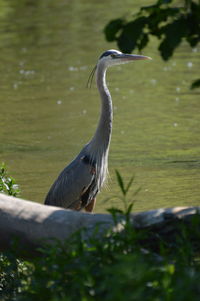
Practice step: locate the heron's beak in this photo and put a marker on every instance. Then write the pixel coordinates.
(132, 57)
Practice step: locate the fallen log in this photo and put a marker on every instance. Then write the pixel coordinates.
(33, 223)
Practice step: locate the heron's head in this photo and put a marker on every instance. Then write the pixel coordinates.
(115, 57)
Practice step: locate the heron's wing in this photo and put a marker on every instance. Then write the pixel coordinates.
(75, 181)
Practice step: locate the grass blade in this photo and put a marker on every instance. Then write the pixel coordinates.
(129, 184)
(120, 182)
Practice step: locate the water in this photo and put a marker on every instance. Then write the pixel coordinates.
(48, 49)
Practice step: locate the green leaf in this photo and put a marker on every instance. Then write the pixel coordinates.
(115, 211)
(132, 34)
(7, 184)
(160, 16)
(120, 182)
(143, 42)
(173, 32)
(195, 84)
(160, 2)
(130, 206)
(125, 42)
(137, 191)
(129, 184)
(112, 28)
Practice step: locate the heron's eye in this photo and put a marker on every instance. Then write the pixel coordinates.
(113, 56)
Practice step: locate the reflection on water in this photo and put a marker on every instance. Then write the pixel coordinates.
(48, 49)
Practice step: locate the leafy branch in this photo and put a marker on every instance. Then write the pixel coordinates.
(171, 24)
(7, 183)
(125, 191)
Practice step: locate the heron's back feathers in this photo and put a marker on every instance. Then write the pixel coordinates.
(76, 186)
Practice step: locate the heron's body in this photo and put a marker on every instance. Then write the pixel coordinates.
(78, 184)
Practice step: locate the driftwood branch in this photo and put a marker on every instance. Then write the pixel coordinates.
(33, 224)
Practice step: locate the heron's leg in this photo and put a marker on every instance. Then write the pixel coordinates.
(90, 206)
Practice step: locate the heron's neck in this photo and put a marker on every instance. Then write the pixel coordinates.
(101, 138)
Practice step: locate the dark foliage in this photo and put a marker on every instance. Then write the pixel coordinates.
(195, 84)
(123, 265)
(7, 183)
(126, 265)
(171, 24)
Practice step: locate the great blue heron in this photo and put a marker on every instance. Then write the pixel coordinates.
(78, 184)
